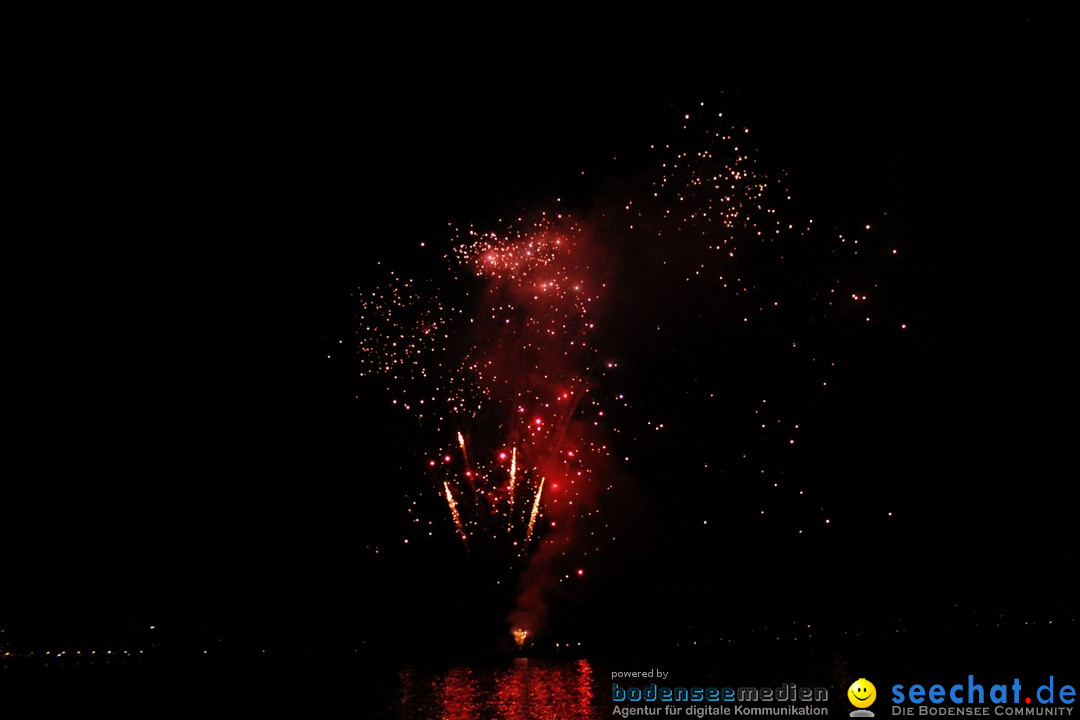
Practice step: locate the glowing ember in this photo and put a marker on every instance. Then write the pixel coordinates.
(520, 636)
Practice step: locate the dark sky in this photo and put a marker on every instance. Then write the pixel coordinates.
(194, 199)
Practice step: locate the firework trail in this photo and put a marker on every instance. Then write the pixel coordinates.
(464, 452)
(535, 511)
(513, 481)
(454, 512)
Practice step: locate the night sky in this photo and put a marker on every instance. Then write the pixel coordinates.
(195, 203)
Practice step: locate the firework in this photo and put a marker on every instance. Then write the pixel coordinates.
(520, 636)
(513, 480)
(502, 358)
(464, 452)
(535, 512)
(454, 512)
(507, 374)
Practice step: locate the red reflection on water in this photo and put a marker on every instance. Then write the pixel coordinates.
(526, 690)
(584, 687)
(459, 695)
(515, 694)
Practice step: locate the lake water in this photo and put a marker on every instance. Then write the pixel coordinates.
(520, 689)
(507, 689)
(503, 688)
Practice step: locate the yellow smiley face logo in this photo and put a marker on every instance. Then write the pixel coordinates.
(862, 693)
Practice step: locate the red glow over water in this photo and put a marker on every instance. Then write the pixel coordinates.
(522, 690)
